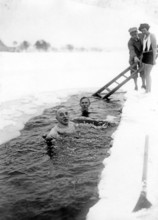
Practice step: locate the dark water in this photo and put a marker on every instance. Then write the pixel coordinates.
(63, 187)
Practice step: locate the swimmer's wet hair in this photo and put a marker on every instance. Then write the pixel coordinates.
(84, 97)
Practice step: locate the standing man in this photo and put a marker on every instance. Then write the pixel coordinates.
(135, 47)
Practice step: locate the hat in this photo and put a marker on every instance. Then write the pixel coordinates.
(142, 26)
(132, 29)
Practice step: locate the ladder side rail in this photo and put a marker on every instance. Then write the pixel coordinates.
(121, 84)
(113, 80)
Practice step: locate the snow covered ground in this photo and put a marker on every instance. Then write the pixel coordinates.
(120, 184)
(31, 82)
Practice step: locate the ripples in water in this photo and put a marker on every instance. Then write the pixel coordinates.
(38, 183)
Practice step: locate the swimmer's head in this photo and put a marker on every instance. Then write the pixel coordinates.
(84, 103)
(62, 116)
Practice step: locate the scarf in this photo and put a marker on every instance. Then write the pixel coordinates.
(146, 43)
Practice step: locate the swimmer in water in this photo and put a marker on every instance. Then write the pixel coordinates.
(63, 127)
(85, 103)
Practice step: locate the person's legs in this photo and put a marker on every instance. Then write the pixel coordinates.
(142, 75)
(147, 71)
(143, 82)
(135, 77)
(135, 82)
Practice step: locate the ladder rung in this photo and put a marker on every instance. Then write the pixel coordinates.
(108, 89)
(117, 83)
(125, 76)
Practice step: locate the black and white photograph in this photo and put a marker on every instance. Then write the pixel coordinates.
(78, 110)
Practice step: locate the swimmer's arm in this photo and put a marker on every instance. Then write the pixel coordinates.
(53, 134)
(74, 123)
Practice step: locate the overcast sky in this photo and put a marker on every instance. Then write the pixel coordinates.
(70, 21)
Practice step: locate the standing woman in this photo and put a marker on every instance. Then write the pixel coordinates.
(149, 53)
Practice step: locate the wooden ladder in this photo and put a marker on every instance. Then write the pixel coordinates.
(115, 84)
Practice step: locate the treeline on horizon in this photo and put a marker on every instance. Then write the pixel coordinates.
(44, 46)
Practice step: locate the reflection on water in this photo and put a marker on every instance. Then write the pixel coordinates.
(38, 183)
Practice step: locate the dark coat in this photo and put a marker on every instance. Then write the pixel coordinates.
(135, 48)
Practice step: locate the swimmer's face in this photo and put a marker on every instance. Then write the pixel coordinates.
(63, 116)
(85, 103)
